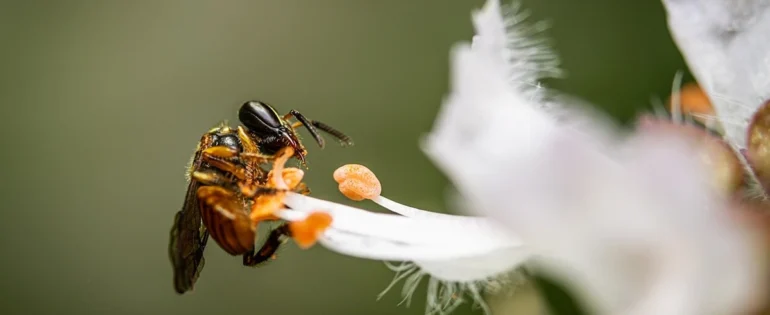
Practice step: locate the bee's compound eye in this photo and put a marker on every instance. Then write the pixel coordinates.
(230, 141)
(259, 117)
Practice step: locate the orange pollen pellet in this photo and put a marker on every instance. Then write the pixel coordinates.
(357, 182)
(306, 232)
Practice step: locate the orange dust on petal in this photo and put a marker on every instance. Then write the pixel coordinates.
(357, 182)
(307, 231)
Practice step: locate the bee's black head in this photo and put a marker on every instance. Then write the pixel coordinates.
(260, 118)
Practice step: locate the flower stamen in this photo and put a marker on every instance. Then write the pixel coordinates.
(357, 182)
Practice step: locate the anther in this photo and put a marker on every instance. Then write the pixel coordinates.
(357, 182)
(306, 232)
(693, 100)
(758, 146)
(291, 176)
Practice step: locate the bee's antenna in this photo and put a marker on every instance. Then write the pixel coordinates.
(310, 127)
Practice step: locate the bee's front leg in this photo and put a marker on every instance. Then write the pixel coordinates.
(220, 157)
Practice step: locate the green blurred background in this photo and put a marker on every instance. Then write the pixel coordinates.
(104, 101)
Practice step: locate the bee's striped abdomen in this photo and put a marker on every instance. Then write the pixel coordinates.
(227, 223)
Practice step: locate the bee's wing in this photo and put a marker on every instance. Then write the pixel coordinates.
(188, 235)
(188, 240)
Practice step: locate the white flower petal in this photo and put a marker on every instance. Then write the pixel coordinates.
(477, 267)
(460, 254)
(465, 141)
(597, 205)
(632, 221)
(628, 220)
(368, 247)
(460, 231)
(726, 46)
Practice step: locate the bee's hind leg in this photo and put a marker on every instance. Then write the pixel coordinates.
(268, 249)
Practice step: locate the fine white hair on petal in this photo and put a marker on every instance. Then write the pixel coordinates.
(503, 33)
(446, 290)
(495, 90)
(443, 297)
(473, 268)
(726, 47)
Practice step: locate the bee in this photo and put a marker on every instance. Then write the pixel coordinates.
(227, 182)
